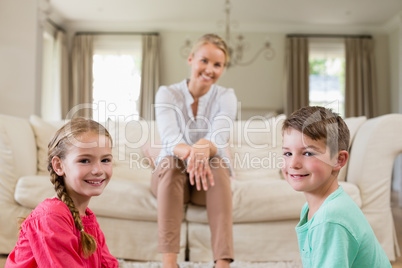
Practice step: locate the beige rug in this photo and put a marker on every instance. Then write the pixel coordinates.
(210, 265)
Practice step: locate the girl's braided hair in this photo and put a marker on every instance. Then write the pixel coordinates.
(59, 146)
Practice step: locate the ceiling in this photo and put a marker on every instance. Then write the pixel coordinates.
(192, 14)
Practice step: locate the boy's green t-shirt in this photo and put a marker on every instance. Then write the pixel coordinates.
(338, 235)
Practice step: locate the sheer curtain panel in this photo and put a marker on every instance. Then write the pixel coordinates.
(149, 75)
(54, 74)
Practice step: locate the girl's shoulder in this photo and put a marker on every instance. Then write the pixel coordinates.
(50, 207)
(50, 213)
(54, 204)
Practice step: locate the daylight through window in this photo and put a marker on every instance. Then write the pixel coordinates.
(327, 74)
(116, 77)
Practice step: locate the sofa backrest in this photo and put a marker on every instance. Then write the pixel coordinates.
(353, 123)
(255, 146)
(17, 138)
(129, 140)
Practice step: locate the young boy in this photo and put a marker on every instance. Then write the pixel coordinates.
(332, 232)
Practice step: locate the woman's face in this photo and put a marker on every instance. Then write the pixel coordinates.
(207, 64)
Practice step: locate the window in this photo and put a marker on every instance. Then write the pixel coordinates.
(116, 77)
(327, 74)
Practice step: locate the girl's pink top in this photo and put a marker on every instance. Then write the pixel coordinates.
(49, 238)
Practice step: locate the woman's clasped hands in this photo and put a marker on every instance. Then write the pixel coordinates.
(198, 164)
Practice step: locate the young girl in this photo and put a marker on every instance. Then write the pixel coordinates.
(63, 231)
(194, 118)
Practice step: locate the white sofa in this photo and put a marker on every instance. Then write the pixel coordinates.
(265, 208)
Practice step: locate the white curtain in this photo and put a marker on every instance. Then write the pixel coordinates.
(80, 98)
(149, 75)
(55, 75)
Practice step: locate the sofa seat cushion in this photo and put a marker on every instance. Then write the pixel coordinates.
(121, 199)
(261, 201)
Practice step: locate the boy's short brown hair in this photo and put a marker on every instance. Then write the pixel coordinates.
(320, 123)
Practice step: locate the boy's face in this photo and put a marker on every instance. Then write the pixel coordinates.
(308, 165)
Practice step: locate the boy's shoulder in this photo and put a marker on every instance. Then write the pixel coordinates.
(339, 208)
(342, 224)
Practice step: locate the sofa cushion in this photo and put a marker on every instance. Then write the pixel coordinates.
(8, 163)
(44, 132)
(31, 190)
(17, 149)
(151, 151)
(250, 163)
(353, 123)
(265, 200)
(129, 138)
(256, 148)
(121, 198)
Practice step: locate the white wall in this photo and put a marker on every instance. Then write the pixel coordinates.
(258, 86)
(18, 54)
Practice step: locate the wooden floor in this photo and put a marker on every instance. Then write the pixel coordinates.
(396, 204)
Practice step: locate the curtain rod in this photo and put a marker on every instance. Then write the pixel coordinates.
(117, 33)
(330, 35)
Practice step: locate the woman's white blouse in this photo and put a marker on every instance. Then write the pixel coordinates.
(176, 123)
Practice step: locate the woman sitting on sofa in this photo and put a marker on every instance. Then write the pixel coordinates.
(194, 118)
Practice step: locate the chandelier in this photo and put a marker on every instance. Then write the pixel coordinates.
(236, 47)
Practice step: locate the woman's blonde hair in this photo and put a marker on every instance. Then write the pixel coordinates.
(215, 40)
(59, 146)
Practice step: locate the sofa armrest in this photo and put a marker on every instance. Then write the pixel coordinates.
(17, 154)
(376, 145)
(373, 152)
(17, 158)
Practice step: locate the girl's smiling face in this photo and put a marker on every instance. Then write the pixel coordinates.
(308, 166)
(207, 65)
(87, 167)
